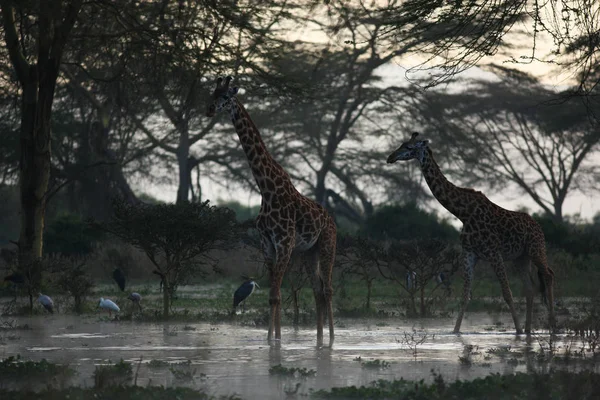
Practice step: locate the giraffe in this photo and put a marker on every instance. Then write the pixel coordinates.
(288, 222)
(490, 233)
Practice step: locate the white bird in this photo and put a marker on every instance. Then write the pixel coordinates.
(47, 302)
(108, 305)
(136, 298)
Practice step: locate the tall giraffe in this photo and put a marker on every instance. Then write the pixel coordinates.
(287, 222)
(489, 233)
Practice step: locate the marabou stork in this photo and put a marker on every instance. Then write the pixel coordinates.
(119, 277)
(243, 292)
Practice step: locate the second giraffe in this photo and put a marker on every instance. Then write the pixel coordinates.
(489, 233)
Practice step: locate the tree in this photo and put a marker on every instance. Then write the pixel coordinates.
(175, 238)
(457, 35)
(198, 40)
(510, 132)
(342, 103)
(359, 256)
(407, 222)
(35, 52)
(413, 265)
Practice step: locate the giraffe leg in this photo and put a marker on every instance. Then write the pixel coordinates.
(282, 260)
(546, 283)
(311, 265)
(524, 268)
(500, 270)
(327, 248)
(469, 261)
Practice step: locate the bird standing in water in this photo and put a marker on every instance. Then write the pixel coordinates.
(47, 302)
(108, 305)
(243, 292)
(136, 298)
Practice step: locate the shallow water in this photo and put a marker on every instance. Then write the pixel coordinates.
(236, 359)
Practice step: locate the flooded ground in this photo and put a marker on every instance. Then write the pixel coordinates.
(231, 359)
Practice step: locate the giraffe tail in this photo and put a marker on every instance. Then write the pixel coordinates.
(542, 281)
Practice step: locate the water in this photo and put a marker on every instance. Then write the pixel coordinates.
(236, 359)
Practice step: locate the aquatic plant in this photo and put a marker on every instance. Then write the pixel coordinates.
(118, 374)
(291, 371)
(157, 364)
(13, 369)
(375, 364)
(115, 393)
(554, 385)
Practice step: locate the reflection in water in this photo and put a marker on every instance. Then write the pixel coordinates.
(232, 359)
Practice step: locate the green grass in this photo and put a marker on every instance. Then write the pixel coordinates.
(553, 386)
(114, 393)
(15, 369)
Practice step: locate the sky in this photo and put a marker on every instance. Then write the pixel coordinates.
(395, 74)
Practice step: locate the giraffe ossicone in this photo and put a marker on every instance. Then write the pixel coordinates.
(287, 221)
(490, 233)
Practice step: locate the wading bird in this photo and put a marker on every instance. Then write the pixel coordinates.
(136, 298)
(47, 302)
(15, 280)
(119, 277)
(443, 278)
(108, 305)
(243, 292)
(411, 280)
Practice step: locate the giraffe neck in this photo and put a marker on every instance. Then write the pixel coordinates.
(266, 171)
(452, 197)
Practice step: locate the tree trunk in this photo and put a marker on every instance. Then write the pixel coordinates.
(369, 286)
(422, 290)
(183, 159)
(296, 306)
(34, 165)
(320, 192)
(166, 298)
(38, 81)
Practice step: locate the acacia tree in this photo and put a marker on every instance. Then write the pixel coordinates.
(198, 41)
(36, 34)
(174, 237)
(423, 261)
(456, 35)
(343, 108)
(510, 132)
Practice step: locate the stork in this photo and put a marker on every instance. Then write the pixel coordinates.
(108, 305)
(47, 302)
(444, 279)
(119, 277)
(411, 280)
(243, 292)
(16, 279)
(136, 298)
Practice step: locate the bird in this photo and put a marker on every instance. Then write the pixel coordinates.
(108, 305)
(15, 279)
(243, 292)
(444, 279)
(47, 302)
(136, 298)
(411, 280)
(119, 277)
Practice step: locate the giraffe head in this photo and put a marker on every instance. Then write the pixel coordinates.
(411, 149)
(221, 97)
